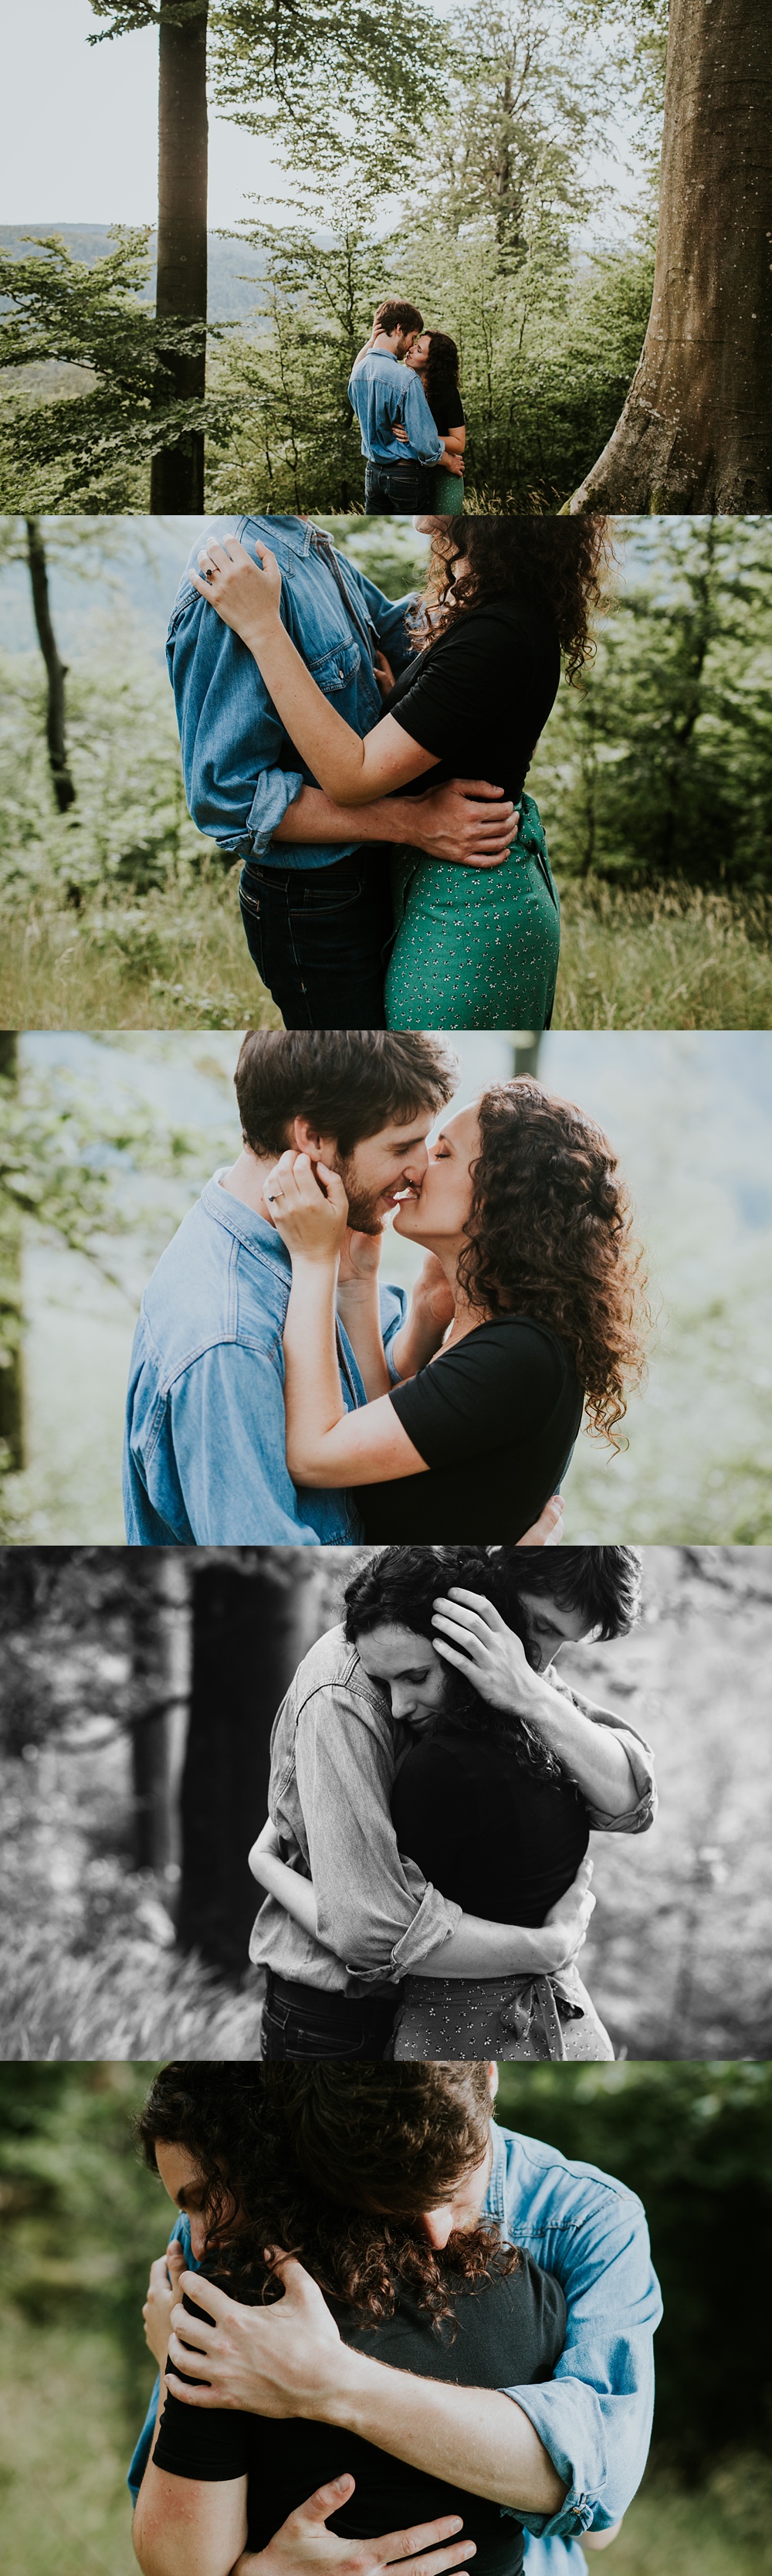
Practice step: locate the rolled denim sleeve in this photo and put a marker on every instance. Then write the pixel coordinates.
(375, 1911)
(276, 790)
(594, 2417)
(638, 1818)
(232, 742)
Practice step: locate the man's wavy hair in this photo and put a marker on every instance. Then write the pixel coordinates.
(399, 1588)
(549, 1234)
(559, 564)
(334, 2164)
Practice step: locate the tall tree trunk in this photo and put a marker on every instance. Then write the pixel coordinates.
(161, 1711)
(695, 432)
(527, 1044)
(56, 670)
(177, 473)
(11, 1319)
(249, 1632)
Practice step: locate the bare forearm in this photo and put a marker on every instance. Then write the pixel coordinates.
(594, 1756)
(316, 817)
(310, 1354)
(417, 1340)
(480, 1949)
(474, 2438)
(360, 1312)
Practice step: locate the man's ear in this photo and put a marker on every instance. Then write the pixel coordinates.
(493, 2077)
(310, 1142)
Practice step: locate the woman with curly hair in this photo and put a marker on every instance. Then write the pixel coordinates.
(534, 1282)
(434, 357)
(476, 942)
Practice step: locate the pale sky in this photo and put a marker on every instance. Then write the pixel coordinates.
(80, 141)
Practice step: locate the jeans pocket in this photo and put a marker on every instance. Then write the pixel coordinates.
(283, 2036)
(327, 903)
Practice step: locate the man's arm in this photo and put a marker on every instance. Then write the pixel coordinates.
(288, 2360)
(421, 427)
(227, 1426)
(637, 1817)
(464, 822)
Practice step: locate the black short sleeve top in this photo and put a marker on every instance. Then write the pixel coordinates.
(510, 2330)
(479, 697)
(499, 1837)
(495, 1419)
(447, 409)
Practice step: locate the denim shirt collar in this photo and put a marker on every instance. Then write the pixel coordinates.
(494, 2204)
(250, 1229)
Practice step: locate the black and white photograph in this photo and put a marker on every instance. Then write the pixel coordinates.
(401, 1803)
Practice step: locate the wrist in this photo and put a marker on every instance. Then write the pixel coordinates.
(338, 2401)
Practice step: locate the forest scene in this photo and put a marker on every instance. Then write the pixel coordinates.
(84, 2221)
(654, 779)
(140, 1695)
(497, 164)
(107, 1141)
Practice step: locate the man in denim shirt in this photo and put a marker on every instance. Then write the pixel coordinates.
(204, 1455)
(566, 2455)
(385, 395)
(315, 894)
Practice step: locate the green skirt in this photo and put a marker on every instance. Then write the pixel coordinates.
(447, 494)
(475, 948)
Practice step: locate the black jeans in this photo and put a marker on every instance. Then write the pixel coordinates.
(393, 491)
(319, 936)
(299, 2021)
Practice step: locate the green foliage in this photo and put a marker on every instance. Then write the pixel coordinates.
(695, 2142)
(659, 768)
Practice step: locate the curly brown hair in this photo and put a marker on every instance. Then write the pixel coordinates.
(441, 369)
(559, 563)
(549, 1234)
(332, 2163)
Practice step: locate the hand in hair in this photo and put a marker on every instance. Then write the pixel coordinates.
(304, 2543)
(469, 1631)
(309, 1207)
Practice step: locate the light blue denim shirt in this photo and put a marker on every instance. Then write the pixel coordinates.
(594, 2417)
(383, 390)
(204, 1460)
(240, 769)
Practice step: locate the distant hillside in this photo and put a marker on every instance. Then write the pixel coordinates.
(234, 268)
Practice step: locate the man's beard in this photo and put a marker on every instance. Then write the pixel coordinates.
(366, 1212)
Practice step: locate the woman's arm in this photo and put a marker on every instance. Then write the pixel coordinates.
(247, 596)
(325, 1445)
(189, 2526)
(472, 1635)
(476, 1948)
(455, 441)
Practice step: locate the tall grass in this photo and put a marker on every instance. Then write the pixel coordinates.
(176, 958)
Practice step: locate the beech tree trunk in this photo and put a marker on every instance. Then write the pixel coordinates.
(177, 473)
(696, 430)
(11, 1318)
(249, 1632)
(56, 670)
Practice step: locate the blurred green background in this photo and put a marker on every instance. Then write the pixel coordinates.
(82, 2223)
(105, 1141)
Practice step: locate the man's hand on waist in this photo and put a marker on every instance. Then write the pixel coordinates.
(467, 821)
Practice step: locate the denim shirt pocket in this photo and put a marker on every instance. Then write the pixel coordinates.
(335, 668)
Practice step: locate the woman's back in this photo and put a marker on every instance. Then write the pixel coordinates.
(497, 1836)
(509, 2330)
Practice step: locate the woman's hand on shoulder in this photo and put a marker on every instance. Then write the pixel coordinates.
(245, 594)
(162, 2294)
(309, 1207)
(304, 2543)
(470, 1633)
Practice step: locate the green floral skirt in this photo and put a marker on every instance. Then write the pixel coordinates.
(447, 494)
(475, 948)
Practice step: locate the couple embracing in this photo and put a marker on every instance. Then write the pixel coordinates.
(388, 2329)
(405, 392)
(280, 1392)
(366, 759)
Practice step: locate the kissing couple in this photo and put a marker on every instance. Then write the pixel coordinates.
(279, 1392)
(366, 761)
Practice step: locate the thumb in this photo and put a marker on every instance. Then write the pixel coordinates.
(475, 787)
(327, 2499)
(175, 2255)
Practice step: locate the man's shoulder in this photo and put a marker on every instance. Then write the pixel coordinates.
(557, 2189)
(331, 1661)
(211, 1287)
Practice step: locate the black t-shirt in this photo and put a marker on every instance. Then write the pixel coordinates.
(511, 2330)
(446, 407)
(495, 1418)
(491, 1833)
(479, 697)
